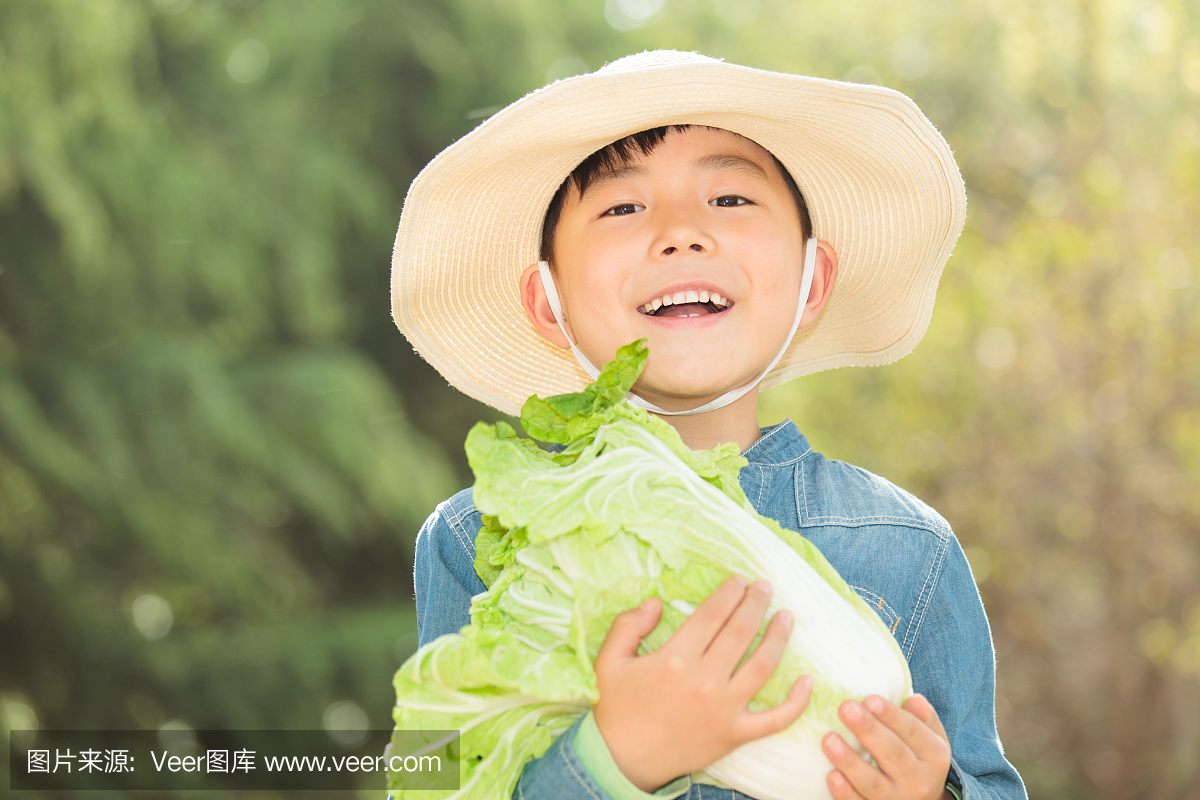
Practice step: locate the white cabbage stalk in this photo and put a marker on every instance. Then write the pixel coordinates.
(628, 512)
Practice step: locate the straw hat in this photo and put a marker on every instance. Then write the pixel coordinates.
(880, 181)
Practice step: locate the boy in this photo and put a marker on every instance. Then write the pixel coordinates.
(711, 209)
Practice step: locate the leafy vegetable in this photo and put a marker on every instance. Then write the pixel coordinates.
(622, 512)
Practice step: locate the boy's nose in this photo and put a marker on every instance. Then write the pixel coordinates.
(682, 234)
(694, 246)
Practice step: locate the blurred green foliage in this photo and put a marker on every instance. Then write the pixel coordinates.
(215, 449)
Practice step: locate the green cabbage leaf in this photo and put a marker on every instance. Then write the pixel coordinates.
(622, 512)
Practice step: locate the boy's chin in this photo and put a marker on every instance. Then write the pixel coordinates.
(680, 393)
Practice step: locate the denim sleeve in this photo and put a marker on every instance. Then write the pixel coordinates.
(593, 753)
(953, 664)
(561, 775)
(445, 581)
(444, 573)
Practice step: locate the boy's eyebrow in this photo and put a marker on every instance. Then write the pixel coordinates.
(715, 161)
(614, 174)
(718, 161)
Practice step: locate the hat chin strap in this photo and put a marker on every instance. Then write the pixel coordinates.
(810, 263)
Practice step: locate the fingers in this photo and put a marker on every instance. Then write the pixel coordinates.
(924, 710)
(852, 775)
(909, 752)
(730, 644)
(757, 724)
(881, 740)
(753, 675)
(840, 788)
(912, 733)
(627, 631)
(697, 632)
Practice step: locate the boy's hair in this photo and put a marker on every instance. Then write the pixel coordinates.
(622, 153)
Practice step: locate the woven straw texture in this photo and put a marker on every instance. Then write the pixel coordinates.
(880, 181)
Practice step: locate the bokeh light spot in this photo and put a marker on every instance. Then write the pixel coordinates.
(566, 67)
(736, 13)
(1187, 656)
(1174, 269)
(996, 349)
(178, 738)
(18, 713)
(1104, 175)
(152, 616)
(910, 57)
(1154, 30)
(863, 74)
(1157, 638)
(248, 61)
(346, 723)
(1048, 196)
(629, 15)
(1189, 65)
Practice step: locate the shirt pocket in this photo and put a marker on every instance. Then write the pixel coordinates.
(881, 607)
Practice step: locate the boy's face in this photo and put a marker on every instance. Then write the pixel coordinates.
(705, 216)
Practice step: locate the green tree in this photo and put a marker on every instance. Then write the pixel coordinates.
(207, 491)
(206, 411)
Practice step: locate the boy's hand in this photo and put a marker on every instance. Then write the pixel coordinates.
(909, 745)
(678, 709)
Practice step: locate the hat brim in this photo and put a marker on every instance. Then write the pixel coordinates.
(880, 181)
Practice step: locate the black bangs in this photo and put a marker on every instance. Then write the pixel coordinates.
(622, 153)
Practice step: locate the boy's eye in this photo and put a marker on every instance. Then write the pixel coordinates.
(623, 209)
(728, 201)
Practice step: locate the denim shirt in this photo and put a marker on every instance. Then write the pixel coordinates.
(895, 551)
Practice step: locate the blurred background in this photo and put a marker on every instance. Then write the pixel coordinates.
(216, 449)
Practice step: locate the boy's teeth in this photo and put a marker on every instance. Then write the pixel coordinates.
(688, 296)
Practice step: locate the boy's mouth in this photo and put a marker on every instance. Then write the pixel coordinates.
(690, 303)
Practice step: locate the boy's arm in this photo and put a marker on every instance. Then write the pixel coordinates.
(444, 576)
(578, 765)
(953, 667)
(665, 714)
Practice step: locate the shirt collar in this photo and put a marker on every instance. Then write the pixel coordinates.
(777, 444)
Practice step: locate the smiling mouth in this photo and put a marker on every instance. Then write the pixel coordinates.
(686, 304)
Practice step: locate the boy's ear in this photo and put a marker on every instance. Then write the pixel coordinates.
(537, 307)
(824, 276)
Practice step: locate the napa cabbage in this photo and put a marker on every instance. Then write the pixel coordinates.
(621, 511)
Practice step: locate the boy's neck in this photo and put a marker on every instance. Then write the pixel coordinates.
(736, 422)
